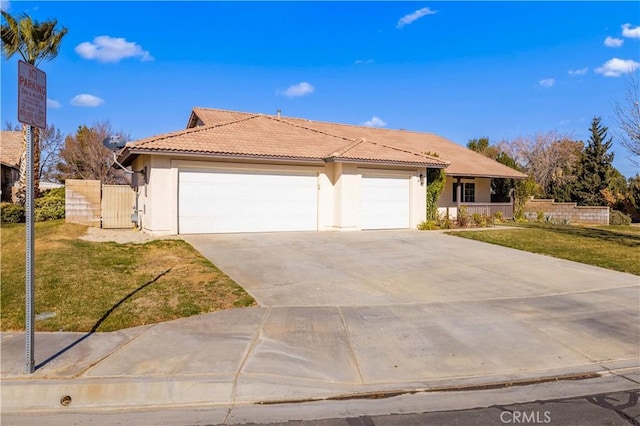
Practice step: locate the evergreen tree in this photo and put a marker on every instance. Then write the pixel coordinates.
(595, 169)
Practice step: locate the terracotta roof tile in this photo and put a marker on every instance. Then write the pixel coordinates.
(10, 147)
(265, 136)
(210, 117)
(221, 132)
(463, 161)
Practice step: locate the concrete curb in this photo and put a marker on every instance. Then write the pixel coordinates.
(109, 393)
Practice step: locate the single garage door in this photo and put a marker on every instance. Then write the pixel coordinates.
(221, 201)
(384, 202)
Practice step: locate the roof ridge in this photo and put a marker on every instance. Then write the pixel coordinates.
(419, 154)
(363, 140)
(361, 126)
(281, 120)
(340, 152)
(175, 134)
(224, 110)
(356, 142)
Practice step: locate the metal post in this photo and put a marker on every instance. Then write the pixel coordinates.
(29, 265)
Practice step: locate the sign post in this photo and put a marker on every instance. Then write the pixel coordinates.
(32, 111)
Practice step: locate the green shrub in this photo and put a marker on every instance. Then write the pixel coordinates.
(618, 218)
(436, 179)
(498, 217)
(49, 208)
(53, 193)
(11, 213)
(428, 225)
(463, 217)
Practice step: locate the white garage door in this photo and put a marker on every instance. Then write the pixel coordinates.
(384, 202)
(217, 202)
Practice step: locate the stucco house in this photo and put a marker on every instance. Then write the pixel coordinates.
(10, 154)
(241, 172)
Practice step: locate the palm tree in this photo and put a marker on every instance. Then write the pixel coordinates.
(34, 41)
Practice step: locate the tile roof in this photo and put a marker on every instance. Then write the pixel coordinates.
(210, 117)
(463, 161)
(10, 148)
(252, 135)
(221, 132)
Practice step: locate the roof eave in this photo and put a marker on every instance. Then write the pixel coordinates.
(11, 166)
(385, 162)
(132, 153)
(487, 175)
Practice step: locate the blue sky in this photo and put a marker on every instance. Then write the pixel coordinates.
(462, 70)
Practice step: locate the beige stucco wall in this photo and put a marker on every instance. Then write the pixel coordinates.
(338, 190)
(483, 191)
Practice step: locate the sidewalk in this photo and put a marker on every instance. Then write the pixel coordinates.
(293, 354)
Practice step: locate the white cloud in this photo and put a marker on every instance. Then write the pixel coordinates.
(374, 122)
(547, 82)
(297, 90)
(86, 100)
(616, 67)
(630, 32)
(411, 17)
(581, 71)
(53, 104)
(363, 61)
(613, 42)
(5, 5)
(110, 49)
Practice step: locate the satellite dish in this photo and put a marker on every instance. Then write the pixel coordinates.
(114, 142)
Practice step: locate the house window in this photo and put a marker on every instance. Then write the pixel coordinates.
(468, 191)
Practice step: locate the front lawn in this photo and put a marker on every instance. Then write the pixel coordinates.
(108, 286)
(612, 247)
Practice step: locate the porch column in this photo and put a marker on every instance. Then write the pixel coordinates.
(458, 193)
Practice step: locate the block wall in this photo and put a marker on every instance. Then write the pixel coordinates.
(571, 212)
(82, 201)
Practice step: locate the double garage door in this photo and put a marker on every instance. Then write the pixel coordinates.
(237, 201)
(218, 202)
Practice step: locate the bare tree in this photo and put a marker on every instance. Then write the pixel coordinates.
(628, 114)
(50, 144)
(549, 158)
(84, 157)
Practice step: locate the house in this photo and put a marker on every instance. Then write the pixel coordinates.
(241, 172)
(10, 154)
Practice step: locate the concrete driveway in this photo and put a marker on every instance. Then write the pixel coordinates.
(380, 306)
(353, 314)
(392, 267)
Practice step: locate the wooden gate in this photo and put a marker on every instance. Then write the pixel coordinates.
(118, 202)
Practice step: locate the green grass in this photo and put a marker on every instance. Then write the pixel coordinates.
(108, 286)
(611, 247)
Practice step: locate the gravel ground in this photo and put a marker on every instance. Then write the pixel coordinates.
(122, 236)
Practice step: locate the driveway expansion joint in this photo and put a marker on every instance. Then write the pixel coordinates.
(83, 373)
(252, 345)
(350, 344)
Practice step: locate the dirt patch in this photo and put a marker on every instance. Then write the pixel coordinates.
(122, 236)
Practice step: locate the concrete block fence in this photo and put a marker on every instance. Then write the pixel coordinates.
(571, 212)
